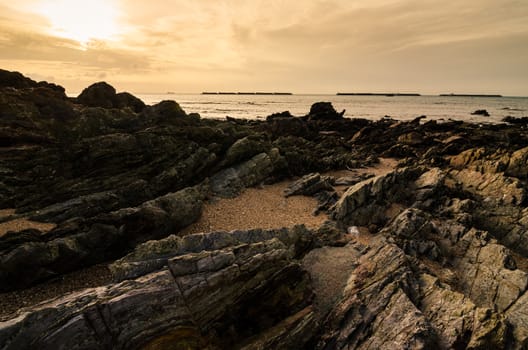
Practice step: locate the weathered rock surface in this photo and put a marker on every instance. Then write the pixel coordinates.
(309, 185)
(78, 243)
(210, 298)
(432, 255)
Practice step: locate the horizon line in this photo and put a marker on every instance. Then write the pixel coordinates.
(337, 94)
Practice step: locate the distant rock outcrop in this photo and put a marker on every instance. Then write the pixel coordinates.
(324, 111)
(481, 112)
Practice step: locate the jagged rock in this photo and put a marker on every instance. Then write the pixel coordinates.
(467, 157)
(284, 125)
(153, 255)
(325, 201)
(98, 239)
(231, 181)
(518, 164)
(365, 203)
(412, 138)
(210, 298)
(244, 149)
(352, 179)
(459, 323)
(517, 315)
(496, 188)
(324, 111)
(488, 274)
(309, 185)
(377, 309)
(184, 172)
(410, 224)
(18, 81)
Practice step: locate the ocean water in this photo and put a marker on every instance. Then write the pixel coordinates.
(368, 107)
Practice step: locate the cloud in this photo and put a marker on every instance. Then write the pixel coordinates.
(311, 46)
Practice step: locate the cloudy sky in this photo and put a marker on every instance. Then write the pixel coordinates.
(308, 46)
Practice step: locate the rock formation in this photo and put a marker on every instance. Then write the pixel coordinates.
(431, 255)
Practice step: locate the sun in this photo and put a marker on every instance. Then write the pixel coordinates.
(81, 20)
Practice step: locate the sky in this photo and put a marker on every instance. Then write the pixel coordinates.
(308, 46)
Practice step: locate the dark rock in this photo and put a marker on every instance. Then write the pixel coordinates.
(244, 149)
(212, 298)
(15, 80)
(125, 99)
(98, 95)
(96, 240)
(153, 255)
(285, 114)
(309, 185)
(516, 121)
(412, 138)
(104, 95)
(481, 112)
(324, 111)
(165, 110)
(366, 202)
(325, 200)
(289, 126)
(231, 181)
(352, 179)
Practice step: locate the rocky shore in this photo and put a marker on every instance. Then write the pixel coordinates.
(429, 253)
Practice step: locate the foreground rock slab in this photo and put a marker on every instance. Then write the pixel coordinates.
(213, 298)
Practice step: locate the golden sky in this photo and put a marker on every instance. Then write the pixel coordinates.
(308, 46)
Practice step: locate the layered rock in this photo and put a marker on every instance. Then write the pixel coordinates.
(209, 296)
(77, 243)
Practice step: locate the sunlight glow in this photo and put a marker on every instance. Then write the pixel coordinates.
(81, 20)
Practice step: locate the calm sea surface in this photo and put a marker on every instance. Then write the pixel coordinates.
(368, 107)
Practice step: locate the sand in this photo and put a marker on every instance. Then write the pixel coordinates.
(20, 224)
(261, 207)
(93, 276)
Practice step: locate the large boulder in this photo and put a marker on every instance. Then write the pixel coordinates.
(104, 95)
(125, 99)
(324, 111)
(100, 94)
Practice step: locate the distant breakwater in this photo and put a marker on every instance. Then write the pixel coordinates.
(468, 95)
(246, 93)
(388, 94)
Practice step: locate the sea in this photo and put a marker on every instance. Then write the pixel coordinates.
(440, 108)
